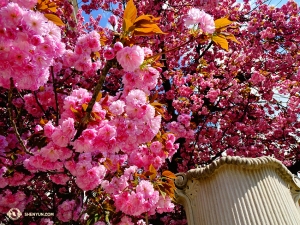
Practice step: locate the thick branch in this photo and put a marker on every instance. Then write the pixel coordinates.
(85, 120)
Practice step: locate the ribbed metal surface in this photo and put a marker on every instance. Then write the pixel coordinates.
(237, 196)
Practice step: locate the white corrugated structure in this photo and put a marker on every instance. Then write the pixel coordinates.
(240, 191)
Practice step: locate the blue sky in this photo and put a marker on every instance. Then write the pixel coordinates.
(105, 15)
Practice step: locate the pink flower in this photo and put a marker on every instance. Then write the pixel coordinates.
(126, 221)
(131, 58)
(59, 138)
(92, 178)
(35, 22)
(50, 153)
(9, 200)
(213, 95)
(28, 4)
(3, 143)
(184, 119)
(67, 127)
(136, 97)
(205, 21)
(85, 142)
(193, 16)
(67, 211)
(49, 129)
(61, 179)
(164, 204)
(113, 20)
(12, 14)
(257, 78)
(107, 132)
(117, 107)
(116, 185)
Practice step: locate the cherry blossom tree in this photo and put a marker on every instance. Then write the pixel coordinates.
(96, 121)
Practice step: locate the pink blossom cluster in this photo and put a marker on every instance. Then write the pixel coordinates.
(137, 200)
(118, 184)
(80, 59)
(144, 79)
(9, 200)
(68, 211)
(52, 156)
(17, 179)
(205, 21)
(29, 43)
(143, 199)
(25, 4)
(128, 221)
(155, 154)
(181, 127)
(73, 105)
(45, 96)
(88, 174)
(133, 122)
(196, 100)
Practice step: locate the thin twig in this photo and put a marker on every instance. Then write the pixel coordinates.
(38, 102)
(55, 96)
(206, 49)
(10, 113)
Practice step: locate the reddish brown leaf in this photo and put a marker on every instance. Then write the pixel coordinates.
(130, 11)
(153, 171)
(169, 174)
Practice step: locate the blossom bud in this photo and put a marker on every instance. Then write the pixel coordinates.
(118, 46)
(109, 53)
(113, 20)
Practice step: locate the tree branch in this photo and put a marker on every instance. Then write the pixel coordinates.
(55, 96)
(10, 113)
(85, 120)
(38, 102)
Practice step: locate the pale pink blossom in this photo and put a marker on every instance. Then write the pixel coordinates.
(136, 97)
(197, 16)
(28, 4)
(164, 204)
(117, 107)
(131, 58)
